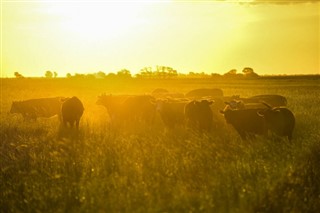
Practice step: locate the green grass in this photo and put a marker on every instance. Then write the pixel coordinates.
(150, 170)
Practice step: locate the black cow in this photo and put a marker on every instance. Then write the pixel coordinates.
(199, 115)
(245, 121)
(279, 120)
(35, 108)
(204, 92)
(171, 112)
(128, 109)
(272, 100)
(71, 111)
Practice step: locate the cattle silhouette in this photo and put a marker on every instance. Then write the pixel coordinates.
(279, 120)
(71, 112)
(34, 108)
(199, 115)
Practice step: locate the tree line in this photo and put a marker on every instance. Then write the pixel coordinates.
(159, 72)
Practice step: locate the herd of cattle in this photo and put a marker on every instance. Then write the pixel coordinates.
(202, 110)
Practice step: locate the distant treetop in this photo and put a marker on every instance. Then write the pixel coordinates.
(18, 75)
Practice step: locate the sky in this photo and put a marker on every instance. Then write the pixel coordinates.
(273, 37)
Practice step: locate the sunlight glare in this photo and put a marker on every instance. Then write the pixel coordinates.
(99, 21)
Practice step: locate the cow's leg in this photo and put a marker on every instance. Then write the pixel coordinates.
(71, 124)
(243, 135)
(77, 123)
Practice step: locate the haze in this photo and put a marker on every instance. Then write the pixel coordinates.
(209, 36)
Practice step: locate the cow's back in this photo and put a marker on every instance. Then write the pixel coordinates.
(272, 100)
(40, 107)
(72, 110)
(204, 92)
(282, 122)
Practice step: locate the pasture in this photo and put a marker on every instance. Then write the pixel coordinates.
(147, 169)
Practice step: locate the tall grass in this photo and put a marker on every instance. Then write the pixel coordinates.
(145, 169)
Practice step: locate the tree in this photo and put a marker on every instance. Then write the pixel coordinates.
(111, 75)
(69, 75)
(248, 72)
(18, 75)
(146, 72)
(100, 75)
(48, 74)
(124, 73)
(232, 72)
(55, 74)
(215, 75)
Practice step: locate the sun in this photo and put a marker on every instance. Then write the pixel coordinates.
(98, 21)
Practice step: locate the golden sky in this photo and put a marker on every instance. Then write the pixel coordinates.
(272, 37)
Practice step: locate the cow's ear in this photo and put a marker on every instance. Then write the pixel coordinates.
(222, 112)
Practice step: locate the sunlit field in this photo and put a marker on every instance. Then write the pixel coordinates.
(147, 168)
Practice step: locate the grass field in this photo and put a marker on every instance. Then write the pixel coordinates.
(148, 169)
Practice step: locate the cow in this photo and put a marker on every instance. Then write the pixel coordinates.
(159, 92)
(246, 122)
(204, 92)
(279, 120)
(139, 108)
(272, 100)
(113, 104)
(128, 108)
(163, 93)
(34, 108)
(171, 112)
(199, 115)
(239, 104)
(218, 119)
(219, 104)
(71, 112)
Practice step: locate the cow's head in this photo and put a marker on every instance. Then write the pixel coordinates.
(206, 102)
(103, 98)
(158, 103)
(234, 104)
(14, 107)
